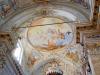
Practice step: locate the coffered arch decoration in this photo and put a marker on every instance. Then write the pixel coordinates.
(6, 46)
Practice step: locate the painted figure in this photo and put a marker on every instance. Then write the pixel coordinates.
(31, 61)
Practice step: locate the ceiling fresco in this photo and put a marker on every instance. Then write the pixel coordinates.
(48, 44)
(49, 37)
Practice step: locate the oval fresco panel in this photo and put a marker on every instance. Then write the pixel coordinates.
(49, 37)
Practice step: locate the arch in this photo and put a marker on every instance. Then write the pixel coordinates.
(43, 62)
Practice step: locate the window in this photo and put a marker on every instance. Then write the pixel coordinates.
(18, 52)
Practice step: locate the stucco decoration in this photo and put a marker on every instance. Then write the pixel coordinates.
(53, 68)
(6, 7)
(2, 59)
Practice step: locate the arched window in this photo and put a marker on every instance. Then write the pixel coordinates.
(18, 52)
